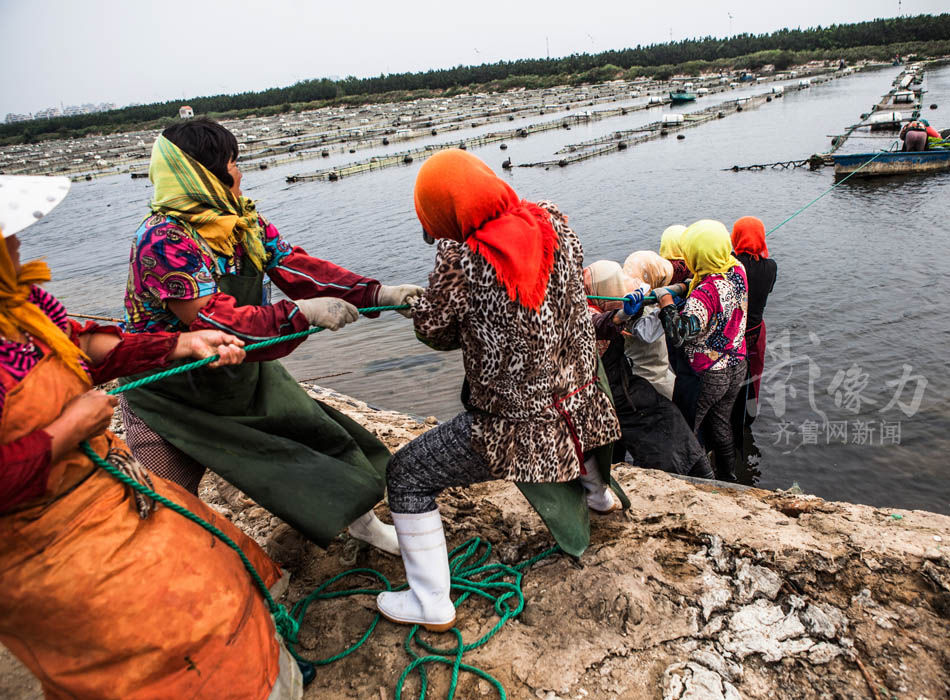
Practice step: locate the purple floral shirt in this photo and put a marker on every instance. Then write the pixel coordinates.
(166, 263)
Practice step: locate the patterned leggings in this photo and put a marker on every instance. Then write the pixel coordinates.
(718, 390)
(431, 463)
(156, 454)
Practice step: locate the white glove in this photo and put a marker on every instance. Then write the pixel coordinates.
(398, 295)
(328, 312)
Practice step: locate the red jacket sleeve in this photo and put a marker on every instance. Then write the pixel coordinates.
(136, 352)
(24, 468)
(301, 276)
(253, 324)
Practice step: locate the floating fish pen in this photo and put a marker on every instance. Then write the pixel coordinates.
(621, 140)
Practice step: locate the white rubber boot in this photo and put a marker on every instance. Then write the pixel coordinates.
(371, 529)
(426, 559)
(600, 497)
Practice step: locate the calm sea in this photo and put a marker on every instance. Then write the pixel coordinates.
(855, 399)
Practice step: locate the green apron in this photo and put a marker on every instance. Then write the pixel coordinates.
(256, 427)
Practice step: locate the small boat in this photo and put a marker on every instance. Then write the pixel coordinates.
(679, 98)
(891, 163)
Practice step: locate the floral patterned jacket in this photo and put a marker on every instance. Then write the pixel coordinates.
(531, 376)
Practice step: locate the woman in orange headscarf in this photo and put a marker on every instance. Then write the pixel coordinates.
(507, 290)
(748, 242)
(105, 596)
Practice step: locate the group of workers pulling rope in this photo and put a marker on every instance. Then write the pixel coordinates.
(110, 594)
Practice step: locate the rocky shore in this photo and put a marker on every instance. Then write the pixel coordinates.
(697, 592)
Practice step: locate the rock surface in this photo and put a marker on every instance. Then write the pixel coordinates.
(697, 592)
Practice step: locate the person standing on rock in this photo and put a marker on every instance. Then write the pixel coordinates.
(710, 329)
(106, 595)
(198, 261)
(654, 431)
(507, 289)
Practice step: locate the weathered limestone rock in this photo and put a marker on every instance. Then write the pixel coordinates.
(695, 592)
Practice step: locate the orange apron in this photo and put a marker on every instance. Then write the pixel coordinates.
(101, 604)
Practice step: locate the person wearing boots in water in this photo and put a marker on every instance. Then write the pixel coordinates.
(507, 289)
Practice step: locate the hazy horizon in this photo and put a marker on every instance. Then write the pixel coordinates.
(112, 51)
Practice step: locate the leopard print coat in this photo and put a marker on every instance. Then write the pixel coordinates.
(531, 376)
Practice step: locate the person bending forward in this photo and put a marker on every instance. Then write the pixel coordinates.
(507, 289)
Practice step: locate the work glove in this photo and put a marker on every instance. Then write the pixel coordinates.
(632, 305)
(674, 290)
(328, 312)
(398, 295)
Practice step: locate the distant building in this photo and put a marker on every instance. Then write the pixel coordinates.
(11, 118)
(186, 112)
(47, 113)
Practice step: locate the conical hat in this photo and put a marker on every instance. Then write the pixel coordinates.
(26, 199)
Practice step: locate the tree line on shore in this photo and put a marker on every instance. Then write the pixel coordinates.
(879, 39)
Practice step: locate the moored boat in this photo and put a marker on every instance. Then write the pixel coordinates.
(681, 97)
(891, 163)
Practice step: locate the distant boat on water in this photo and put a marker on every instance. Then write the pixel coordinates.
(681, 97)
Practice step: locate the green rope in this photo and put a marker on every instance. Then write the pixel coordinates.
(180, 369)
(841, 181)
(286, 624)
(464, 578)
(472, 578)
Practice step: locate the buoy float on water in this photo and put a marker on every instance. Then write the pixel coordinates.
(504, 147)
(680, 137)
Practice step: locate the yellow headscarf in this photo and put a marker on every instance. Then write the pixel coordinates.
(17, 315)
(649, 267)
(670, 247)
(189, 192)
(707, 250)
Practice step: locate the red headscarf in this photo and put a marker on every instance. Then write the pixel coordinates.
(458, 197)
(748, 236)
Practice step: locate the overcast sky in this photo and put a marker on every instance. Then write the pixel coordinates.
(56, 52)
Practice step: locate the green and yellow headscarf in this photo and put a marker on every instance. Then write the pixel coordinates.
(189, 192)
(707, 250)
